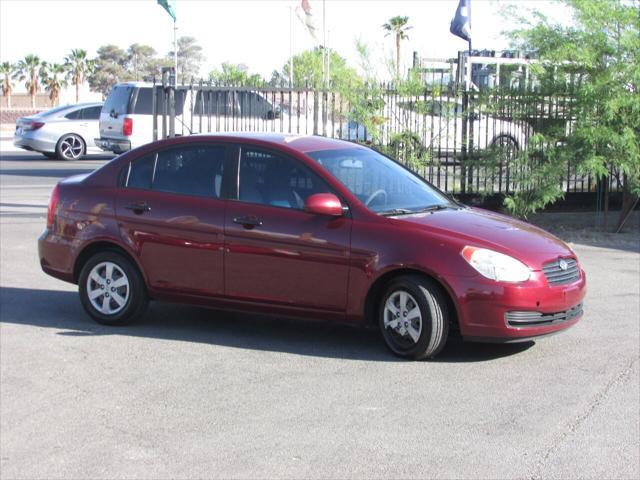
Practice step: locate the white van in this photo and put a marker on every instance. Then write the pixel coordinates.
(126, 119)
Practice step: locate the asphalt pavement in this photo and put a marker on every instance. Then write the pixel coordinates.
(190, 392)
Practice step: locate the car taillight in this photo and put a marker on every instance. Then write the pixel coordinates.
(127, 127)
(33, 125)
(53, 203)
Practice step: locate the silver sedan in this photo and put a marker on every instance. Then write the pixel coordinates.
(64, 132)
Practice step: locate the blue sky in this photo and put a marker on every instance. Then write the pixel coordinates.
(255, 33)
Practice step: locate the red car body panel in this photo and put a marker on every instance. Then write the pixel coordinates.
(196, 250)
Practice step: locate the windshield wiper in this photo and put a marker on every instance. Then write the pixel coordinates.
(396, 211)
(434, 208)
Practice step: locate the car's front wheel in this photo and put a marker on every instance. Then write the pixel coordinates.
(414, 318)
(70, 147)
(112, 290)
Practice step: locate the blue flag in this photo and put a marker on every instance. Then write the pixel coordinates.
(461, 23)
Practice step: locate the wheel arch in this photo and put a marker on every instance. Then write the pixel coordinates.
(506, 135)
(372, 299)
(99, 246)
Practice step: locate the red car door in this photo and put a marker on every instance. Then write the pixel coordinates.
(171, 212)
(276, 252)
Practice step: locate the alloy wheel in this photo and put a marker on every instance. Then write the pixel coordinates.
(71, 147)
(403, 318)
(108, 288)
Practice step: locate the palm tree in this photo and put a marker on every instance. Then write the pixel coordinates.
(28, 70)
(54, 81)
(79, 67)
(7, 71)
(398, 27)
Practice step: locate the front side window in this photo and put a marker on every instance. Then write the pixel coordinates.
(381, 184)
(188, 170)
(271, 179)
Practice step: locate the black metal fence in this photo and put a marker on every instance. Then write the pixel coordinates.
(464, 142)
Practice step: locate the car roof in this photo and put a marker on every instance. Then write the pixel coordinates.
(63, 109)
(301, 143)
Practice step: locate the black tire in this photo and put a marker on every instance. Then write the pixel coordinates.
(432, 305)
(50, 155)
(71, 147)
(136, 300)
(507, 145)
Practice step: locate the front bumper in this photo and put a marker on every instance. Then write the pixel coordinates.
(113, 145)
(503, 312)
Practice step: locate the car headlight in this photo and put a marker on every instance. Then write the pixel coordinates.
(496, 266)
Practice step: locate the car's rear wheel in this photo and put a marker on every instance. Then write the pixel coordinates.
(70, 147)
(112, 290)
(414, 318)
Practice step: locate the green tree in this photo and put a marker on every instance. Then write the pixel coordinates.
(307, 70)
(7, 71)
(235, 74)
(190, 57)
(53, 79)
(110, 68)
(28, 70)
(79, 67)
(398, 27)
(140, 60)
(600, 55)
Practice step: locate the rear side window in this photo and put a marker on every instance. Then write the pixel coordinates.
(141, 172)
(144, 106)
(188, 170)
(216, 103)
(75, 115)
(91, 113)
(118, 100)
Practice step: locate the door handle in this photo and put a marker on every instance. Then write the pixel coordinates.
(138, 208)
(248, 221)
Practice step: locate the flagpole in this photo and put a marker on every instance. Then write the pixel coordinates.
(290, 46)
(175, 52)
(324, 43)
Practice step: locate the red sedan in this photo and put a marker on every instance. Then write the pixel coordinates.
(307, 227)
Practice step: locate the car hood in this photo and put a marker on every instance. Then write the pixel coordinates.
(482, 228)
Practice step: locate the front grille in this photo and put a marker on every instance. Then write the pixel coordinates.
(529, 319)
(560, 276)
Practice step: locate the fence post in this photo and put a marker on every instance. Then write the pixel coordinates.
(164, 104)
(315, 111)
(172, 112)
(463, 147)
(154, 109)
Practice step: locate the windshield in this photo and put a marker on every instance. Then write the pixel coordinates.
(381, 184)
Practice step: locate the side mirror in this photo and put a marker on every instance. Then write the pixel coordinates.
(324, 204)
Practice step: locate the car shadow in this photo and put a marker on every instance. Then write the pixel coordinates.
(61, 310)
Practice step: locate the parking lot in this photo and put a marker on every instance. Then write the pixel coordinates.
(190, 392)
